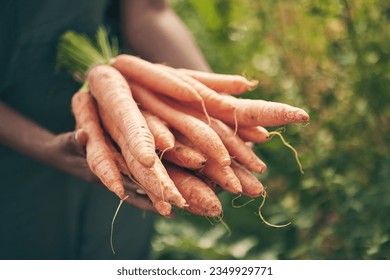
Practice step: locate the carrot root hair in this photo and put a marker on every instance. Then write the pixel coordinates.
(242, 205)
(112, 224)
(288, 145)
(264, 195)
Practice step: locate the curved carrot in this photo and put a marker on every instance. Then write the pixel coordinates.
(112, 93)
(99, 157)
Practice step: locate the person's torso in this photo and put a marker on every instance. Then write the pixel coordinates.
(29, 34)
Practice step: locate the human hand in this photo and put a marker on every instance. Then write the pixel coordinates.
(66, 152)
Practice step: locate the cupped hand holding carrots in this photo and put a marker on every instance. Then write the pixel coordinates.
(176, 133)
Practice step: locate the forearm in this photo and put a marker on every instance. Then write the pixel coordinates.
(22, 134)
(153, 31)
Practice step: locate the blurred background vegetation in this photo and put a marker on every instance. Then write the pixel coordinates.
(331, 58)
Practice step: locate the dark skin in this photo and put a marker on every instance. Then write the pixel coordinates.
(158, 36)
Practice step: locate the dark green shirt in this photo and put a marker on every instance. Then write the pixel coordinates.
(45, 214)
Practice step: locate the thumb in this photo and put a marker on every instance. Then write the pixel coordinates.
(81, 138)
(76, 141)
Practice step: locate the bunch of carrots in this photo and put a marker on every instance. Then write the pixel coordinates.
(178, 133)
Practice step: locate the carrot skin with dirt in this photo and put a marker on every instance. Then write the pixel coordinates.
(185, 156)
(154, 180)
(213, 100)
(152, 77)
(163, 137)
(256, 134)
(251, 186)
(112, 93)
(236, 147)
(222, 83)
(262, 113)
(99, 156)
(197, 131)
(201, 199)
(223, 176)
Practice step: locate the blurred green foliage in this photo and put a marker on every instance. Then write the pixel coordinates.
(331, 58)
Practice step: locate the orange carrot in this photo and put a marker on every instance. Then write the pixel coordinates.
(262, 113)
(201, 199)
(235, 146)
(197, 131)
(223, 176)
(113, 94)
(154, 180)
(163, 137)
(118, 157)
(213, 100)
(256, 134)
(99, 157)
(152, 77)
(162, 207)
(185, 156)
(223, 83)
(251, 186)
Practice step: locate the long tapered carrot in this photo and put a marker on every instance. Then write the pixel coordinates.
(223, 83)
(185, 156)
(113, 94)
(150, 76)
(197, 131)
(256, 134)
(163, 137)
(201, 199)
(224, 176)
(261, 113)
(99, 156)
(155, 180)
(251, 186)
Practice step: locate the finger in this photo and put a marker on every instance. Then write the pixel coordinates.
(140, 202)
(81, 137)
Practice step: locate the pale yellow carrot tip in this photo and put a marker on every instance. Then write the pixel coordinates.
(272, 133)
(112, 224)
(242, 205)
(264, 195)
(253, 84)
